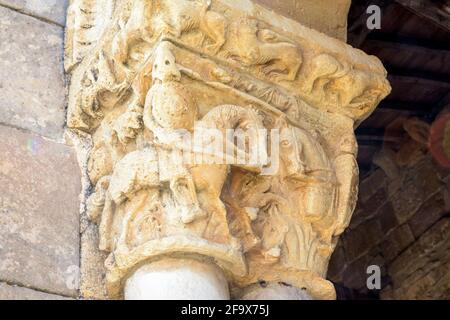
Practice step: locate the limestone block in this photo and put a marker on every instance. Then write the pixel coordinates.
(31, 80)
(52, 10)
(39, 213)
(8, 292)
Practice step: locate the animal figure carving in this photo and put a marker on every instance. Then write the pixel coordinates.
(210, 178)
(138, 172)
(185, 16)
(276, 57)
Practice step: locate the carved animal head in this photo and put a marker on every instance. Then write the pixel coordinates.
(290, 152)
(302, 156)
(164, 65)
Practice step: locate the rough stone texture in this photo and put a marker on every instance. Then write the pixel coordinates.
(39, 212)
(387, 218)
(423, 270)
(31, 78)
(329, 17)
(52, 10)
(8, 292)
(337, 263)
(371, 184)
(419, 184)
(92, 284)
(399, 240)
(430, 212)
(362, 239)
(391, 228)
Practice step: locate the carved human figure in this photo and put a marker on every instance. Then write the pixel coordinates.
(170, 109)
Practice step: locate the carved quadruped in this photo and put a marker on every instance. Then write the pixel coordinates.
(162, 85)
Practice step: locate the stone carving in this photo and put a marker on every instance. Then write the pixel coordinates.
(162, 85)
(277, 57)
(288, 224)
(185, 15)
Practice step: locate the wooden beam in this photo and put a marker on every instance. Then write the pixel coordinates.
(437, 12)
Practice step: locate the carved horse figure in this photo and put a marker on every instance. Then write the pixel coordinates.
(138, 171)
(209, 179)
(298, 194)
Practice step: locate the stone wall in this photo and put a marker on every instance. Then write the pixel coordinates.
(39, 172)
(404, 229)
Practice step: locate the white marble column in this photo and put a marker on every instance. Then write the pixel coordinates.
(177, 279)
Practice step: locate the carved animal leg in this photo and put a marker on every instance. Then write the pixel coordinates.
(214, 26)
(274, 69)
(219, 40)
(217, 227)
(183, 190)
(136, 205)
(294, 71)
(105, 243)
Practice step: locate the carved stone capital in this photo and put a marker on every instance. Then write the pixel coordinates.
(147, 78)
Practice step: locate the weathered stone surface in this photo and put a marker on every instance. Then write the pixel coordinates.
(423, 270)
(31, 78)
(371, 184)
(419, 184)
(52, 10)
(374, 203)
(337, 264)
(399, 240)
(362, 239)
(354, 276)
(8, 292)
(39, 212)
(387, 218)
(430, 212)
